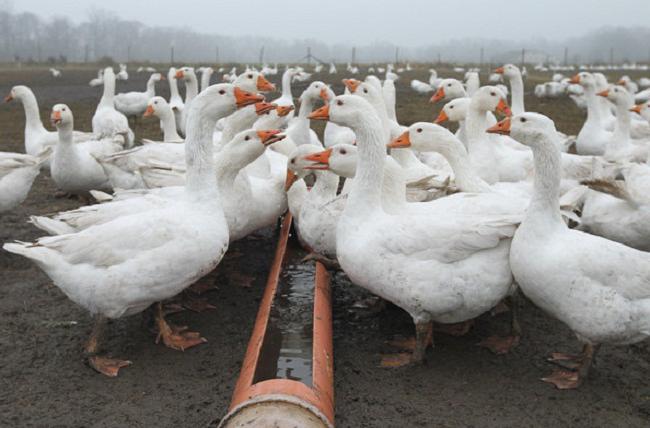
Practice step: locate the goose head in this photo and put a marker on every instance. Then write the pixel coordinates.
(263, 107)
(248, 145)
(530, 129)
(345, 110)
(156, 77)
(454, 111)
(425, 137)
(186, 74)
(491, 98)
(61, 116)
(314, 91)
(449, 89)
(222, 99)
(156, 106)
(509, 71)
(254, 81)
(297, 165)
(643, 110)
(341, 159)
(109, 74)
(584, 79)
(365, 90)
(619, 96)
(17, 93)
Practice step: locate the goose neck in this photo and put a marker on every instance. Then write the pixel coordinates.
(593, 108)
(365, 195)
(517, 88)
(109, 91)
(191, 88)
(32, 115)
(200, 176)
(169, 126)
(544, 206)
(286, 84)
(151, 87)
(466, 178)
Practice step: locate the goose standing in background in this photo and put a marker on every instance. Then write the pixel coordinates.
(133, 104)
(108, 122)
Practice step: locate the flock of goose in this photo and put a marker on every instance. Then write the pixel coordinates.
(444, 225)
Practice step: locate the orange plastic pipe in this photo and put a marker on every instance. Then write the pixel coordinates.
(321, 395)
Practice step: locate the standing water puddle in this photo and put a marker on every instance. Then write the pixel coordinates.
(287, 349)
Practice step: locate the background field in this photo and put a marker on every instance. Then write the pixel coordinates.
(46, 383)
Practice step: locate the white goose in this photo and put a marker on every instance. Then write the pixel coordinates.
(108, 122)
(599, 288)
(135, 103)
(159, 107)
(74, 166)
(37, 138)
(17, 173)
(621, 147)
(425, 263)
(121, 267)
(99, 80)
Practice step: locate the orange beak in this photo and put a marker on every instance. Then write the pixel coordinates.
(499, 70)
(503, 108)
(149, 111)
(324, 95)
(401, 142)
(179, 74)
(442, 117)
(621, 82)
(9, 98)
(322, 113)
(263, 107)
(55, 117)
(502, 128)
(291, 178)
(321, 159)
(244, 98)
(284, 110)
(604, 93)
(270, 136)
(264, 85)
(637, 108)
(440, 94)
(351, 84)
(575, 79)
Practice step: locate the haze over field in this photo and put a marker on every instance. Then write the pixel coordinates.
(236, 31)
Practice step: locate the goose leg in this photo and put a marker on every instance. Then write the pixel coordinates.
(175, 337)
(423, 339)
(104, 365)
(572, 379)
(502, 345)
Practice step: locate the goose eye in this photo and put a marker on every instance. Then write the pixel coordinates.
(523, 120)
(449, 85)
(451, 107)
(419, 130)
(293, 161)
(246, 138)
(250, 76)
(493, 94)
(339, 103)
(222, 92)
(365, 91)
(343, 151)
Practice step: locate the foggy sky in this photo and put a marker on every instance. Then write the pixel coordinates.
(402, 22)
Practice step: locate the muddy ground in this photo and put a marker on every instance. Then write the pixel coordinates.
(44, 381)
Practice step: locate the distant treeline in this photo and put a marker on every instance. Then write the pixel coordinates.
(26, 37)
